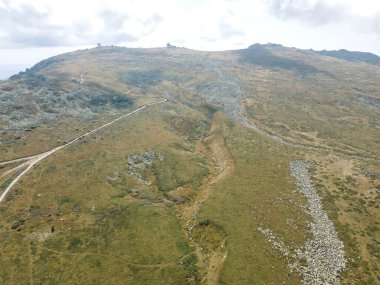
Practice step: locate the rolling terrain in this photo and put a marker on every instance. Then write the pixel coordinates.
(176, 166)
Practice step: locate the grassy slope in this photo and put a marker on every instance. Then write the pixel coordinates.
(351, 197)
(99, 235)
(129, 233)
(296, 105)
(260, 192)
(326, 111)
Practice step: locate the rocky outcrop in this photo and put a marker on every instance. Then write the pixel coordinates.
(323, 253)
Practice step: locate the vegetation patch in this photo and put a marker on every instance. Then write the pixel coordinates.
(141, 77)
(208, 235)
(179, 169)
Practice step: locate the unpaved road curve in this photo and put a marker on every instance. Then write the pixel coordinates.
(20, 166)
(16, 160)
(32, 160)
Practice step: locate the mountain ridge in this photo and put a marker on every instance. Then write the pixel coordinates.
(355, 56)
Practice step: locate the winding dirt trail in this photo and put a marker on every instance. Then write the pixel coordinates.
(220, 166)
(83, 73)
(32, 160)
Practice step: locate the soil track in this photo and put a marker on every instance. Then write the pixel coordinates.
(220, 166)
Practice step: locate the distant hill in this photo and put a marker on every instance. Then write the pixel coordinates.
(262, 55)
(352, 55)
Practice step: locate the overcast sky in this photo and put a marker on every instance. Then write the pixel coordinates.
(36, 29)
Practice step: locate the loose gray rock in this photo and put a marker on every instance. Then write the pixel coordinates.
(323, 253)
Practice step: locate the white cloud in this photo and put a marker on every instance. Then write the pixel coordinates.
(317, 12)
(198, 24)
